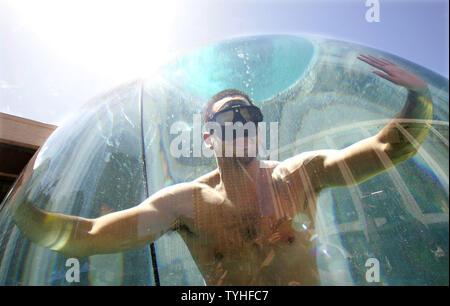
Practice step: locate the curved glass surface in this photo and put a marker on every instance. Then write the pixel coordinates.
(117, 150)
(90, 166)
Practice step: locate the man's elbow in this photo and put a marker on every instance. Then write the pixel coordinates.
(73, 254)
(81, 246)
(78, 252)
(398, 154)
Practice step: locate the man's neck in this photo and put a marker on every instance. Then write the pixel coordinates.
(237, 176)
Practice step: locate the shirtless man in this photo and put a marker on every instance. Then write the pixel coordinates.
(237, 221)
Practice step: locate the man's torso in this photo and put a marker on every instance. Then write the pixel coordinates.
(265, 237)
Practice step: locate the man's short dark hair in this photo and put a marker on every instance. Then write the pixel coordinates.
(208, 114)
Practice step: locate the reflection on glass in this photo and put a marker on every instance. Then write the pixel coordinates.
(116, 152)
(89, 167)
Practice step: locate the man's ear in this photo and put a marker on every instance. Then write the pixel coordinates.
(207, 140)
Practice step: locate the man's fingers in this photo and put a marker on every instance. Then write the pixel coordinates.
(368, 61)
(383, 75)
(365, 58)
(379, 61)
(373, 61)
(386, 61)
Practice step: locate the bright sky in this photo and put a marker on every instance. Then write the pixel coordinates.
(57, 54)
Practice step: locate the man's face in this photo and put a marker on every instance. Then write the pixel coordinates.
(232, 115)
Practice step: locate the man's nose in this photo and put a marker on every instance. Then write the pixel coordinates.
(238, 118)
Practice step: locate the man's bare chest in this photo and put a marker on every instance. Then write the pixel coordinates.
(233, 229)
(249, 247)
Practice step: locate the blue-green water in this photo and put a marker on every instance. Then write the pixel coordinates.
(114, 152)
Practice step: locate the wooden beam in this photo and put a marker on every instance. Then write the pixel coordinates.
(9, 175)
(24, 132)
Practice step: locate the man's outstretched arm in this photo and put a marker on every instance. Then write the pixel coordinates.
(396, 142)
(115, 232)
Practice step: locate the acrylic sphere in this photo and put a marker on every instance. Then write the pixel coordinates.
(115, 152)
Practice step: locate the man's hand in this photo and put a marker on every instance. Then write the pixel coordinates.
(394, 73)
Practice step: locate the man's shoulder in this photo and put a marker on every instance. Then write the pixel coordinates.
(211, 178)
(269, 164)
(196, 189)
(188, 187)
(181, 198)
(304, 161)
(180, 191)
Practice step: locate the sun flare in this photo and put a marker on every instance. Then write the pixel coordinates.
(112, 39)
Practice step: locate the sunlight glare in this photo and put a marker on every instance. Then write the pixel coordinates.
(120, 40)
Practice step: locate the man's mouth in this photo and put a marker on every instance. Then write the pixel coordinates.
(241, 147)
